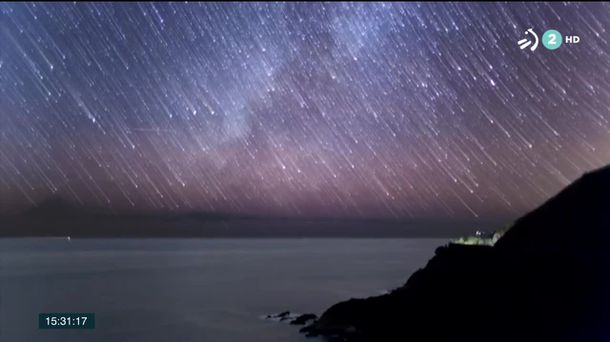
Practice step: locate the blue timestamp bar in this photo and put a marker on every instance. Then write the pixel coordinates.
(66, 320)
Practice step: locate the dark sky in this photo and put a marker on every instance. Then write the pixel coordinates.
(351, 110)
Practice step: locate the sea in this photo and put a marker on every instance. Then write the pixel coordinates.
(192, 290)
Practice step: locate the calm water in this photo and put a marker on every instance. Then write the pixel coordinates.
(182, 290)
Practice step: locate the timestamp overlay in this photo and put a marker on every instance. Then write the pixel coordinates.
(66, 320)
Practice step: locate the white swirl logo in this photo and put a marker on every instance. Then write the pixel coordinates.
(525, 42)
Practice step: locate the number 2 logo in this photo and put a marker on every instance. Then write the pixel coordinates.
(552, 39)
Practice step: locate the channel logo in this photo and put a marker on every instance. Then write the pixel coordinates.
(551, 40)
(525, 42)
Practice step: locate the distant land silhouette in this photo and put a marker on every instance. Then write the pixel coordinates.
(57, 217)
(546, 279)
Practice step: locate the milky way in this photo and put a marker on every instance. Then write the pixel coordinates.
(339, 110)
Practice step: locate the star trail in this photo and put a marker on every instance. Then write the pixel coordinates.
(397, 110)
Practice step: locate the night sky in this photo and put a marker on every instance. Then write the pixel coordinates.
(334, 110)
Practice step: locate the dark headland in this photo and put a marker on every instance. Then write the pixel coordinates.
(546, 279)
